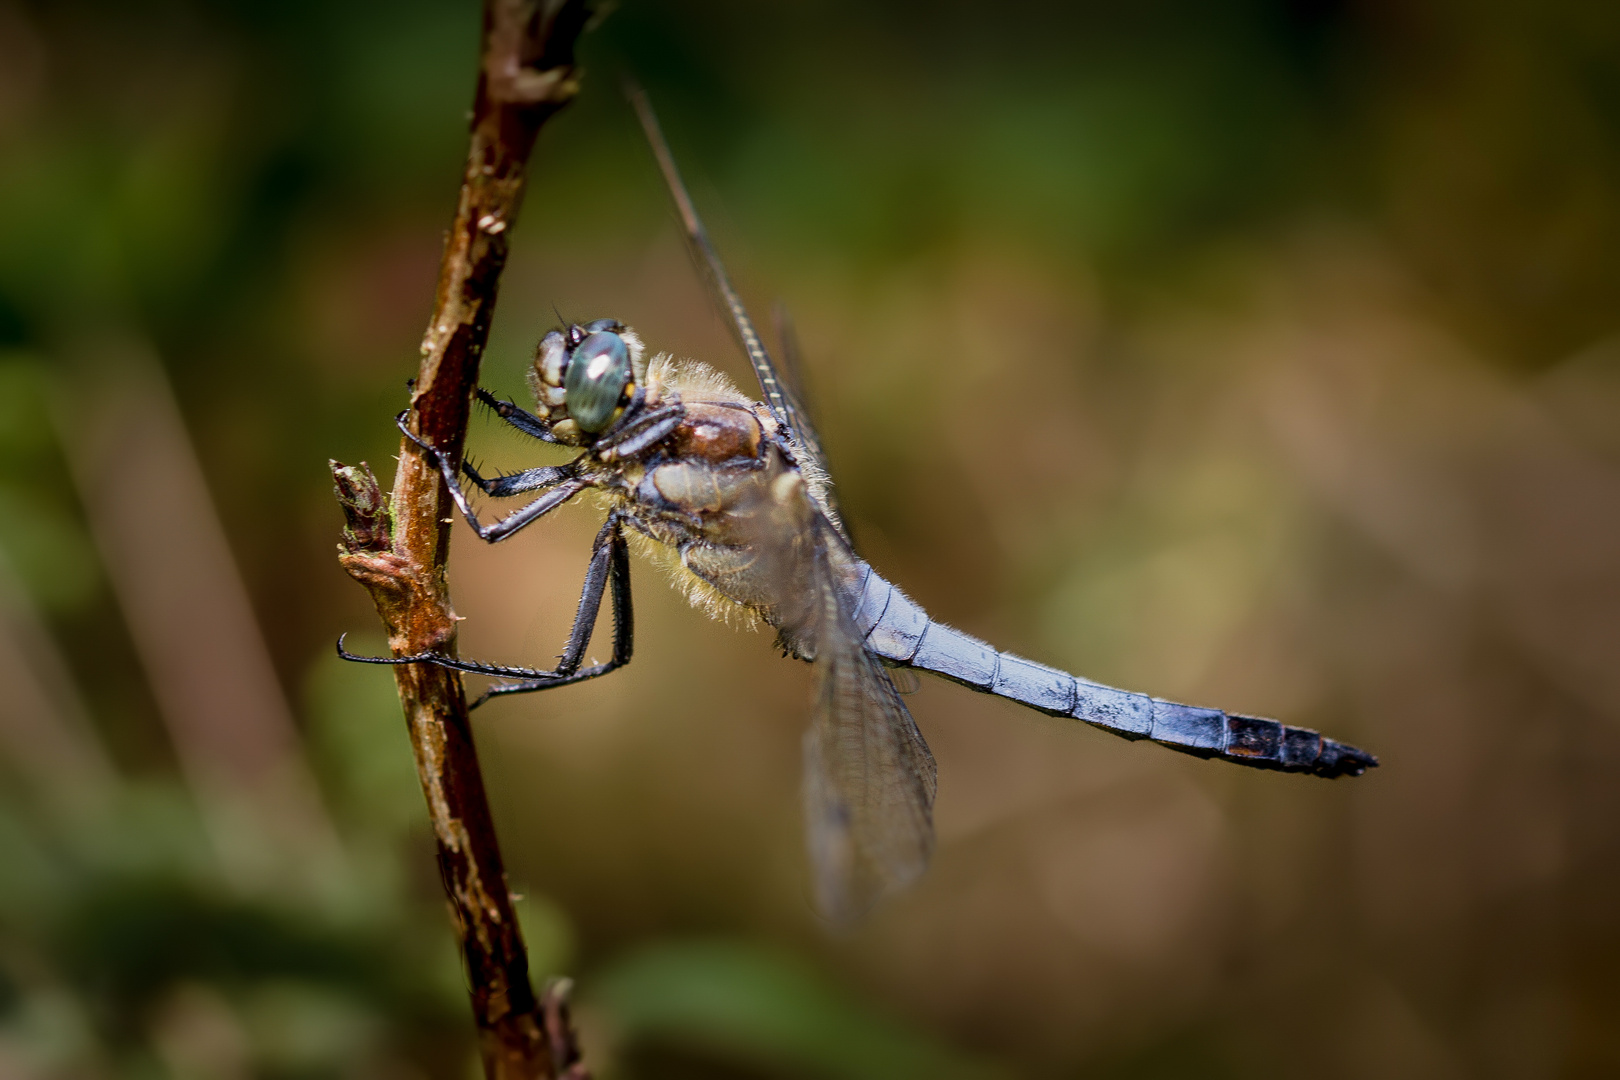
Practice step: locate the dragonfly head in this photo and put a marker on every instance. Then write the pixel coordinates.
(584, 375)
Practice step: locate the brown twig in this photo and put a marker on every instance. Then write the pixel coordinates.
(398, 550)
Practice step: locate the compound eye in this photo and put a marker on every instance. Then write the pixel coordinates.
(597, 375)
(604, 324)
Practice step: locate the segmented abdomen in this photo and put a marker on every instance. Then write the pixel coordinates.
(900, 631)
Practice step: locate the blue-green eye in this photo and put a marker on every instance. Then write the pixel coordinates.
(597, 374)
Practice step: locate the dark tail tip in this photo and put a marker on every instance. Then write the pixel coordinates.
(1339, 759)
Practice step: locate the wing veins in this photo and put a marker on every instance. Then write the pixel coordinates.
(869, 777)
(698, 237)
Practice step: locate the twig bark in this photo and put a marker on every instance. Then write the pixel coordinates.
(398, 549)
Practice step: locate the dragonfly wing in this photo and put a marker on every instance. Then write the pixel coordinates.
(804, 430)
(698, 237)
(781, 392)
(869, 779)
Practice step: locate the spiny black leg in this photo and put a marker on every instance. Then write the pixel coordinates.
(609, 565)
(624, 629)
(630, 438)
(438, 460)
(470, 667)
(526, 422)
(597, 574)
(507, 525)
(624, 616)
(514, 521)
(629, 426)
(518, 483)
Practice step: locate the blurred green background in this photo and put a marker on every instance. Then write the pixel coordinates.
(1258, 353)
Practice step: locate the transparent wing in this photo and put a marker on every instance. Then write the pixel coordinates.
(792, 385)
(698, 237)
(791, 381)
(869, 779)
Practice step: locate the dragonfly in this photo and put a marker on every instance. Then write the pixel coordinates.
(733, 496)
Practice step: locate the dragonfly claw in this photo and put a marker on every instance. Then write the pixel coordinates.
(422, 444)
(419, 658)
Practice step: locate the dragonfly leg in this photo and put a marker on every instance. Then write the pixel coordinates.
(496, 532)
(524, 421)
(560, 488)
(609, 568)
(518, 483)
(624, 629)
(634, 436)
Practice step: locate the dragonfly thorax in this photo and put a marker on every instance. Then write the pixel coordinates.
(583, 376)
